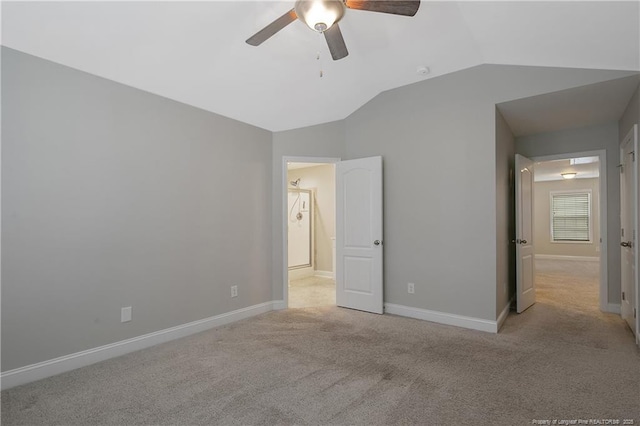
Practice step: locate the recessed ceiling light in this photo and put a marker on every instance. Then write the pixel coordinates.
(423, 70)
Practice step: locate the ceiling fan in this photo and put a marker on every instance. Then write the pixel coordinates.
(323, 16)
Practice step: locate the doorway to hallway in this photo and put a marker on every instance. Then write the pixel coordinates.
(569, 200)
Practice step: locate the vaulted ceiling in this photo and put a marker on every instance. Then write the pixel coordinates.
(195, 52)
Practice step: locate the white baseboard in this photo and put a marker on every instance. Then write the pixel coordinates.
(279, 305)
(299, 273)
(52, 367)
(504, 314)
(442, 317)
(324, 274)
(559, 257)
(613, 308)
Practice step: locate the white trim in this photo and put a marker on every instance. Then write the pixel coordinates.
(279, 305)
(504, 314)
(613, 308)
(324, 274)
(562, 257)
(602, 197)
(52, 367)
(299, 273)
(442, 317)
(284, 214)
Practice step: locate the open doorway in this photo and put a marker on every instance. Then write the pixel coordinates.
(569, 197)
(311, 228)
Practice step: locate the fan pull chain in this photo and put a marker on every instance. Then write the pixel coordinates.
(319, 63)
(320, 38)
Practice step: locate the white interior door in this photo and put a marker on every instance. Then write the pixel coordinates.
(629, 222)
(525, 261)
(359, 234)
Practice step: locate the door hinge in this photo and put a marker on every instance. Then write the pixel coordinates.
(622, 232)
(621, 167)
(634, 312)
(633, 155)
(623, 296)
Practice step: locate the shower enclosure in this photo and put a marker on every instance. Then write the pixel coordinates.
(300, 221)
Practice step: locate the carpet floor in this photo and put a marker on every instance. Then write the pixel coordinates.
(312, 292)
(561, 359)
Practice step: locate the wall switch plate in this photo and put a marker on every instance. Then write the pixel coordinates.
(125, 314)
(234, 291)
(411, 288)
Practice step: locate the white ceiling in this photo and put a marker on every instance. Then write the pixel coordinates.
(294, 166)
(551, 170)
(194, 52)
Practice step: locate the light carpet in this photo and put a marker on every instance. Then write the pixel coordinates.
(332, 366)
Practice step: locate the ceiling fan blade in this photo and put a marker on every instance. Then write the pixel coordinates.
(396, 7)
(268, 31)
(336, 42)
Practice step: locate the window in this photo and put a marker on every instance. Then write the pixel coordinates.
(571, 216)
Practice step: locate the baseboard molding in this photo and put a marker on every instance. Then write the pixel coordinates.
(279, 305)
(299, 273)
(41, 370)
(613, 308)
(559, 257)
(504, 314)
(442, 317)
(324, 274)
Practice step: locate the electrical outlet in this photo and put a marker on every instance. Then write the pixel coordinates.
(234, 291)
(125, 314)
(411, 288)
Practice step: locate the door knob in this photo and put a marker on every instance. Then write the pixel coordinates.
(523, 241)
(519, 241)
(626, 244)
(377, 242)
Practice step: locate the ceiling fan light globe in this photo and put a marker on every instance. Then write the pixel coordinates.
(319, 15)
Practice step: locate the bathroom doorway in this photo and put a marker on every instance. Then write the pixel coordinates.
(310, 221)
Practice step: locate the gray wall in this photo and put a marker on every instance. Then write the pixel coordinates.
(505, 214)
(630, 116)
(438, 140)
(589, 139)
(115, 197)
(324, 140)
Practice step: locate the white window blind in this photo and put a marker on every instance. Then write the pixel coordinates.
(570, 216)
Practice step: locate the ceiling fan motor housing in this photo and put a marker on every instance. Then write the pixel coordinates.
(320, 15)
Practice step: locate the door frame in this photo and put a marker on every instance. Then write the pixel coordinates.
(284, 213)
(605, 306)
